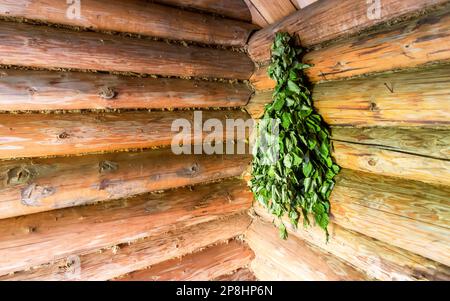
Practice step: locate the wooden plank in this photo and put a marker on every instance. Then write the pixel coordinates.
(302, 3)
(380, 161)
(37, 185)
(294, 259)
(410, 98)
(273, 11)
(327, 20)
(235, 9)
(36, 239)
(44, 90)
(134, 16)
(243, 274)
(411, 44)
(34, 135)
(378, 259)
(431, 143)
(46, 47)
(406, 214)
(203, 265)
(257, 18)
(114, 262)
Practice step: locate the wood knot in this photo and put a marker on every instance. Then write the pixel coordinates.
(63, 135)
(18, 175)
(107, 166)
(373, 107)
(372, 162)
(107, 93)
(31, 91)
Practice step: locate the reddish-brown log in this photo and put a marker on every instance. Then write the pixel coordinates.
(46, 47)
(204, 265)
(34, 135)
(44, 90)
(327, 20)
(36, 185)
(134, 16)
(235, 9)
(119, 260)
(35, 239)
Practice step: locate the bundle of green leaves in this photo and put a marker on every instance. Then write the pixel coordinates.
(299, 182)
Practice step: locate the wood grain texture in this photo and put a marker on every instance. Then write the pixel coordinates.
(257, 104)
(235, 9)
(273, 11)
(44, 90)
(243, 274)
(327, 20)
(411, 44)
(34, 135)
(407, 214)
(114, 262)
(37, 185)
(302, 3)
(409, 98)
(257, 17)
(385, 162)
(203, 265)
(434, 143)
(261, 81)
(378, 259)
(45, 47)
(135, 16)
(35, 239)
(294, 259)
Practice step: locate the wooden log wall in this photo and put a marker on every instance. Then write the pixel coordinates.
(210, 263)
(382, 85)
(89, 187)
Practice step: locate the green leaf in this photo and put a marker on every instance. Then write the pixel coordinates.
(293, 87)
(307, 168)
(282, 231)
(300, 179)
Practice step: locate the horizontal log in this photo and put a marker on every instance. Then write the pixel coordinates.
(134, 16)
(36, 239)
(327, 20)
(293, 259)
(235, 9)
(411, 44)
(43, 90)
(417, 43)
(378, 259)
(37, 185)
(243, 274)
(381, 161)
(46, 47)
(203, 265)
(126, 258)
(407, 214)
(425, 142)
(34, 135)
(411, 98)
(408, 98)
